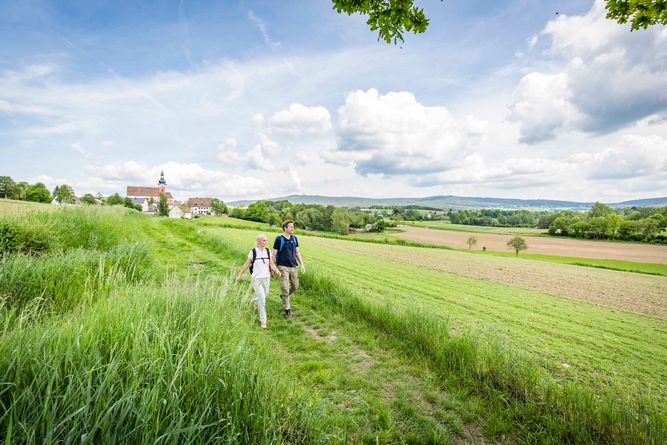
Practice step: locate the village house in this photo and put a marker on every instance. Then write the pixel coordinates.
(200, 206)
(180, 211)
(143, 202)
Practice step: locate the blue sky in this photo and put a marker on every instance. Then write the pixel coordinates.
(243, 99)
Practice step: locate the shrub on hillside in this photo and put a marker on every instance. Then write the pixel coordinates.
(15, 238)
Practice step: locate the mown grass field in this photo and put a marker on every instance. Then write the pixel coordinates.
(599, 344)
(123, 328)
(389, 238)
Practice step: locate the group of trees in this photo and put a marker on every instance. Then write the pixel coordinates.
(517, 244)
(310, 216)
(25, 191)
(63, 194)
(603, 222)
(407, 213)
(496, 217)
(219, 207)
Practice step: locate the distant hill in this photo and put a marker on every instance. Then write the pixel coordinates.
(453, 202)
(648, 202)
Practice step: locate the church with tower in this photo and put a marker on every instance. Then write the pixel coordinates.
(148, 196)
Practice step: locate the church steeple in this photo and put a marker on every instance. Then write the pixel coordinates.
(162, 184)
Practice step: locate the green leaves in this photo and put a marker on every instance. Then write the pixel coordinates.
(391, 18)
(640, 13)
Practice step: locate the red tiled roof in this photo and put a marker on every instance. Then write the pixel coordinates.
(199, 202)
(137, 190)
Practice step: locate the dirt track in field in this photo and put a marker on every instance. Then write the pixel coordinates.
(627, 291)
(643, 253)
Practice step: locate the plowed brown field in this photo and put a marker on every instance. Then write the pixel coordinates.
(643, 253)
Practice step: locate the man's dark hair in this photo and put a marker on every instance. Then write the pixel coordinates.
(286, 223)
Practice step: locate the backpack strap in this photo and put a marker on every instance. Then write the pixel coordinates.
(254, 258)
(282, 243)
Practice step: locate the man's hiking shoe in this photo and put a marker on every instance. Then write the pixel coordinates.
(288, 313)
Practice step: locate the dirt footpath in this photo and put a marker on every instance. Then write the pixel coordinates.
(643, 253)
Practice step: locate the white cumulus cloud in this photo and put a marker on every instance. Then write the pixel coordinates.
(301, 118)
(611, 77)
(394, 134)
(632, 157)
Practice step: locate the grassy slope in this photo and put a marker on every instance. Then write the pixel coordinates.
(501, 417)
(367, 391)
(602, 346)
(92, 352)
(371, 385)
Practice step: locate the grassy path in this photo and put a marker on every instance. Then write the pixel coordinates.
(371, 392)
(573, 340)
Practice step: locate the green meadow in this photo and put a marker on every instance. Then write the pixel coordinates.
(381, 238)
(123, 328)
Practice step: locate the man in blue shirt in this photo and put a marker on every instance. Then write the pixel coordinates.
(287, 257)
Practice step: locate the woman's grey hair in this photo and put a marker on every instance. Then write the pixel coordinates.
(260, 236)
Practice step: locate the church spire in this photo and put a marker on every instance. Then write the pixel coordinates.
(162, 180)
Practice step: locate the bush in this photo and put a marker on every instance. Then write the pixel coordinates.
(14, 238)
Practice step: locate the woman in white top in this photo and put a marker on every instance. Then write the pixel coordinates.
(261, 266)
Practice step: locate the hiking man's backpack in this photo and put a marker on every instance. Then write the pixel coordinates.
(254, 257)
(282, 243)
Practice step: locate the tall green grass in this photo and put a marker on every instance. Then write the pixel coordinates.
(96, 228)
(142, 358)
(63, 280)
(58, 259)
(171, 364)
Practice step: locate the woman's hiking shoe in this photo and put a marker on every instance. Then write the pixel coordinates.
(288, 313)
(263, 327)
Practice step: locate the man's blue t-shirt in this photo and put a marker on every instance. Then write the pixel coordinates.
(286, 256)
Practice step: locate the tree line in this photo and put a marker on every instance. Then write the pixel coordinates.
(496, 217)
(646, 224)
(62, 194)
(339, 220)
(407, 213)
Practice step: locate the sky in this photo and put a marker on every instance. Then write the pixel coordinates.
(254, 99)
